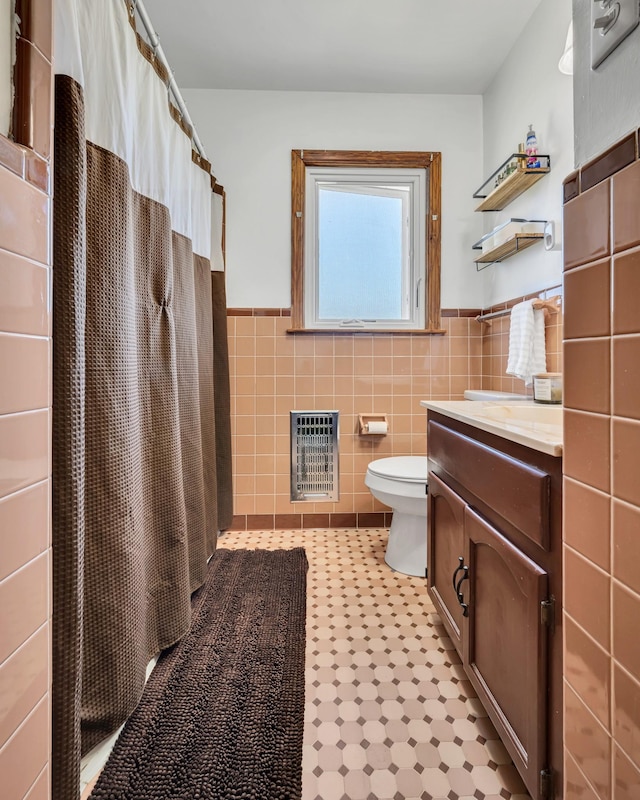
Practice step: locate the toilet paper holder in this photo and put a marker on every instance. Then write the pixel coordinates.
(373, 424)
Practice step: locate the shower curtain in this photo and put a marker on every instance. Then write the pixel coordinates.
(141, 430)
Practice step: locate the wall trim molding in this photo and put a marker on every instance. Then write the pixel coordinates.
(270, 522)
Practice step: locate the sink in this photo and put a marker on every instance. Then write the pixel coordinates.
(489, 394)
(520, 414)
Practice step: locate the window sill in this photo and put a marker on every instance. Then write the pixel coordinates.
(371, 332)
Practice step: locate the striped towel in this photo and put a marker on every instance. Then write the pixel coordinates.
(527, 351)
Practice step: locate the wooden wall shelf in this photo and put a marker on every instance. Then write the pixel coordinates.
(512, 187)
(509, 248)
(495, 199)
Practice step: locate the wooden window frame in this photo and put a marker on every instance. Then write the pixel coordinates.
(300, 159)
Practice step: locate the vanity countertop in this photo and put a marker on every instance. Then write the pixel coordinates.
(525, 422)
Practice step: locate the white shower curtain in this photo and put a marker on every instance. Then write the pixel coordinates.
(141, 445)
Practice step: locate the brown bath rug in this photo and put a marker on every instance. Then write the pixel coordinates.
(222, 713)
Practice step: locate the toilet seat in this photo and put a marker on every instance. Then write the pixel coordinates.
(410, 469)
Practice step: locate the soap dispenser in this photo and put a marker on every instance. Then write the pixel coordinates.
(531, 149)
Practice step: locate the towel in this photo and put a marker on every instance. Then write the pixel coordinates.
(527, 351)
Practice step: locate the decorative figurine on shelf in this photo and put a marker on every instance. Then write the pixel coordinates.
(531, 149)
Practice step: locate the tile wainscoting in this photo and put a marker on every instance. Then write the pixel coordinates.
(273, 373)
(602, 465)
(25, 416)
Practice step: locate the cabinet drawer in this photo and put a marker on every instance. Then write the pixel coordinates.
(516, 491)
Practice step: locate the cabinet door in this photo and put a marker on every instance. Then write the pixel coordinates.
(505, 646)
(445, 553)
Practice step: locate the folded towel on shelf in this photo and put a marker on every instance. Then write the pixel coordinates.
(527, 351)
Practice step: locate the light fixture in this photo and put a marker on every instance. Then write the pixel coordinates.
(565, 65)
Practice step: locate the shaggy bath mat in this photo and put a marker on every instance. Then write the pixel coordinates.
(222, 714)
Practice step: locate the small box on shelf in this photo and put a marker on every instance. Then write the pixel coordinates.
(508, 239)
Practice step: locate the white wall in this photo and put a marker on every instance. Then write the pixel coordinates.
(249, 137)
(607, 100)
(529, 89)
(7, 49)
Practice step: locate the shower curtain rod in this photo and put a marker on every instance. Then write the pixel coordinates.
(154, 41)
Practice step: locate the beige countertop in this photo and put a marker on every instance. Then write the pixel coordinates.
(525, 422)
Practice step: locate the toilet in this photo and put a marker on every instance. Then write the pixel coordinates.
(400, 482)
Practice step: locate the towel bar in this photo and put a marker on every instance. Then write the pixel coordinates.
(552, 305)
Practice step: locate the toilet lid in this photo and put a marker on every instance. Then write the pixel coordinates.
(401, 468)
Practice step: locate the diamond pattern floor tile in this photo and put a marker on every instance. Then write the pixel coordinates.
(389, 713)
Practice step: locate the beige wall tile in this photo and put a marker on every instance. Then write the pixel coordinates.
(24, 222)
(626, 460)
(587, 521)
(587, 670)
(245, 326)
(24, 295)
(24, 681)
(626, 544)
(577, 786)
(626, 712)
(586, 226)
(587, 596)
(626, 285)
(24, 604)
(589, 744)
(626, 777)
(24, 527)
(25, 755)
(587, 448)
(24, 450)
(626, 376)
(41, 788)
(587, 384)
(626, 642)
(587, 303)
(626, 212)
(26, 361)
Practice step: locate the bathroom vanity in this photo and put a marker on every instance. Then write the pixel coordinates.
(495, 568)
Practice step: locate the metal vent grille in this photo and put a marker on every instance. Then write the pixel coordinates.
(314, 456)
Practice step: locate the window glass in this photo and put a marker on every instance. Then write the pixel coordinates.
(361, 252)
(364, 259)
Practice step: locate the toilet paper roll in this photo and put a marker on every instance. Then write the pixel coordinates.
(377, 427)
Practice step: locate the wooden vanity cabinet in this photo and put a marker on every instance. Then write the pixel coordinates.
(445, 554)
(494, 575)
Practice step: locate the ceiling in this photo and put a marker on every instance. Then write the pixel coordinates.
(414, 46)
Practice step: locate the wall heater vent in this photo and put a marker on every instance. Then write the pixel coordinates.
(314, 456)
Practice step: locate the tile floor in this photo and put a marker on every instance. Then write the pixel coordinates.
(388, 712)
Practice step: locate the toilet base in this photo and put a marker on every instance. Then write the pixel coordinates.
(407, 545)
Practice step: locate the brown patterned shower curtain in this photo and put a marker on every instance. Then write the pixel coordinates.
(141, 435)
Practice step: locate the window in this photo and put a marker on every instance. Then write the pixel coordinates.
(365, 241)
(364, 258)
